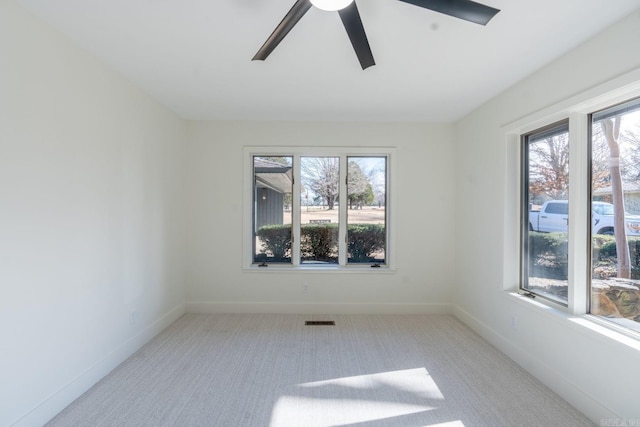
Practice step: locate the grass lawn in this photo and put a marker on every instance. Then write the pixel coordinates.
(366, 215)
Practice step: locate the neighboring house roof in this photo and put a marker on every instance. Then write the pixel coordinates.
(627, 187)
(273, 175)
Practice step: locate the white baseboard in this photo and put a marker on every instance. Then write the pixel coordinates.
(316, 308)
(544, 372)
(49, 408)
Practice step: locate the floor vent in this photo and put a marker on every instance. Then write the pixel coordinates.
(320, 323)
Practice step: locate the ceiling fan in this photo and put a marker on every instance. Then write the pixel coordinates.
(348, 11)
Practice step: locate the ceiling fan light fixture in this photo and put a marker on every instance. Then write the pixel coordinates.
(467, 10)
(331, 5)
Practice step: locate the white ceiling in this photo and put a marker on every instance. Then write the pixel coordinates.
(194, 56)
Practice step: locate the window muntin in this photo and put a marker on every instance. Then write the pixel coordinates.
(615, 186)
(272, 213)
(545, 234)
(366, 211)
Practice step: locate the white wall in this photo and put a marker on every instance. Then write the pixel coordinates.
(91, 229)
(423, 210)
(93, 201)
(598, 375)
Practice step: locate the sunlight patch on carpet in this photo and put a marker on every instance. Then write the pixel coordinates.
(357, 399)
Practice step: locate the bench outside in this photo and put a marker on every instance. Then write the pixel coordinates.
(319, 221)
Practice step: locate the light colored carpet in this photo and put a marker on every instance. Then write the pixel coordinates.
(272, 370)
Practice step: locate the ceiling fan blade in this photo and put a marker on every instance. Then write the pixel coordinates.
(288, 22)
(463, 9)
(353, 24)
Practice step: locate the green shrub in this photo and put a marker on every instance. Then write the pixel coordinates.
(319, 242)
(363, 240)
(605, 254)
(554, 244)
(548, 255)
(605, 247)
(276, 240)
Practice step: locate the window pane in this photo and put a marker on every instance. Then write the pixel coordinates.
(272, 189)
(615, 190)
(545, 231)
(319, 198)
(366, 210)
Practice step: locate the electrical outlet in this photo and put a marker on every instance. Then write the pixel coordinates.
(514, 322)
(305, 288)
(133, 317)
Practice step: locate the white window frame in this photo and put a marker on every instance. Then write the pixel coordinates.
(524, 144)
(302, 151)
(577, 110)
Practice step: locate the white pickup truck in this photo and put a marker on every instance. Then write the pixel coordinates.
(553, 217)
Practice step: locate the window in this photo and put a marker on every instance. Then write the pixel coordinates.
(580, 213)
(615, 203)
(272, 190)
(366, 213)
(320, 216)
(319, 208)
(545, 232)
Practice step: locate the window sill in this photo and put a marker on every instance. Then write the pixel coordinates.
(585, 324)
(348, 269)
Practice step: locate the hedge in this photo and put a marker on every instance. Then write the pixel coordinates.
(548, 255)
(319, 242)
(605, 254)
(277, 241)
(363, 240)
